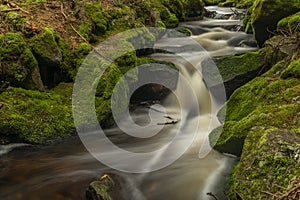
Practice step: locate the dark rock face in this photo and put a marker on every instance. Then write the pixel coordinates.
(263, 16)
(49, 56)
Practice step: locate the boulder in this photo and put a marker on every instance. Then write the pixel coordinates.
(18, 65)
(49, 56)
(269, 165)
(35, 117)
(271, 100)
(263, 16)
(235, 71)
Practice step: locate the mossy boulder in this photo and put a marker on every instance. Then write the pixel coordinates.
(169, 19)
(263, 16)
(34, 117)
(17, 22)
(212, 2)
(193, 9)
(269, 164)
(46, 49)
(94, 11)
(18, 65)
(269, 100)
(184, 10)
(120, 19)
(235, 71)
(290, 24)
(236, 3)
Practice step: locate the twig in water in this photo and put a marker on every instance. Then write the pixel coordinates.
(212, 195)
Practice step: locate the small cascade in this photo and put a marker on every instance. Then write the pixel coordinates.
(64, 170)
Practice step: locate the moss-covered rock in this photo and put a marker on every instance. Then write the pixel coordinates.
(121, 18)
(236, 3)
(193, 9)
(100, 189)
(212, 2)
(290, 24)
(168, 18)
(94, 11)
(18, 65)
(48, 54)
(269, 100)
(18, 22)
(293, 70)
(235, 71)
(263, 16)
(269, 164)
(34, 117)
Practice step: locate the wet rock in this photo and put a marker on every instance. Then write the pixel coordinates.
(99, 190)
(112, 186)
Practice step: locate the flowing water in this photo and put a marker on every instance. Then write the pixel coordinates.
(64, 170)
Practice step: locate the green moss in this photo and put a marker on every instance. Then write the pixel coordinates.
(266, 163)
(193, 9)
(26, 2)
(19, 23)
(46, 48)
(212, 2)
(101, 188)
(293, 70)
(169, 19)
(264, 101)
(94, 11)
(35, 117)
(236, 3)
(121, 19)
(18, 65)
(85, 29)
(232, 66)
(291, 23)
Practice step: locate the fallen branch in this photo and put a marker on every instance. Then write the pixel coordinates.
(269, 193)
(66, 18)
(240, 196)
(294, 189)
(83, 38)
(15, 8)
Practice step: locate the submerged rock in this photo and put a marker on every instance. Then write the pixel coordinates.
(112, 186)
(99, 190)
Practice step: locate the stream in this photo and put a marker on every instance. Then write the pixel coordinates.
(65, 169)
